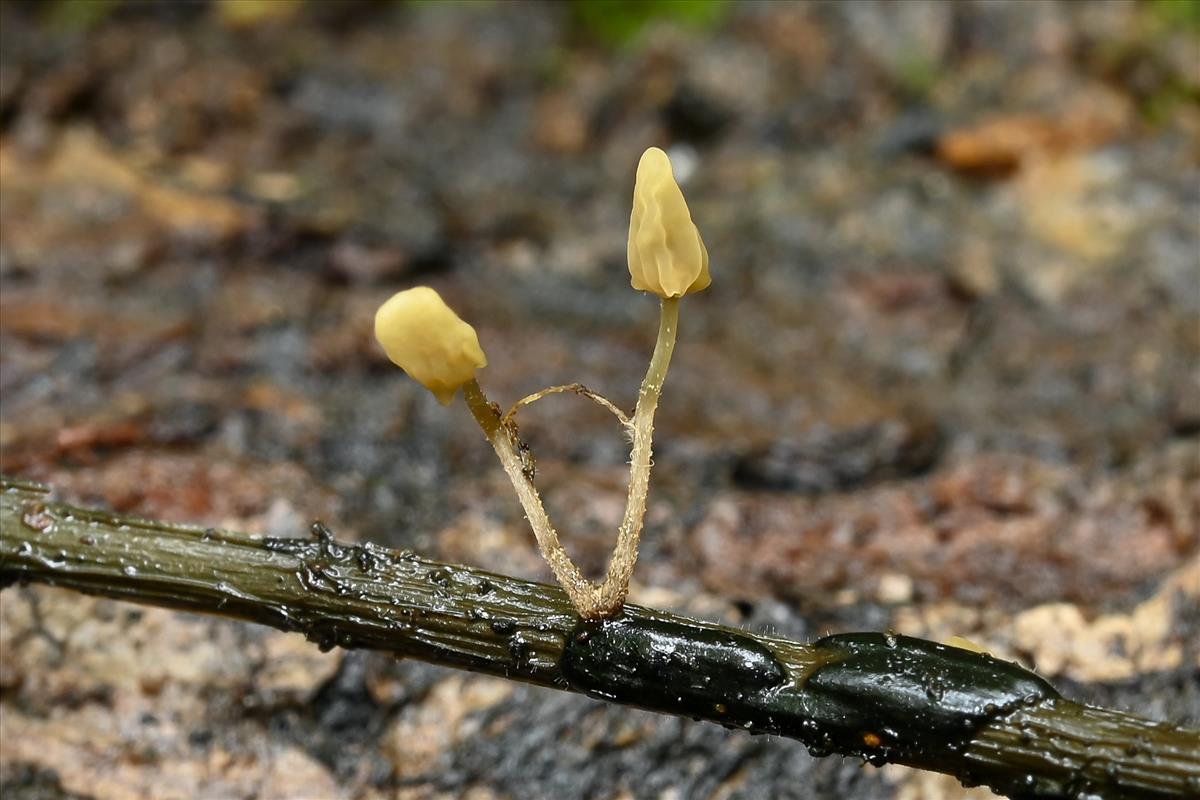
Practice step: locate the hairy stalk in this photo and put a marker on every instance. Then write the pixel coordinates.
(592, 600)
(583, 593)
(620, 568)
(575, 388)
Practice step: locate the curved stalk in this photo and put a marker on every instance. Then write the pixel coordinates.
(592, 600)
(576, 388)
(583, 593)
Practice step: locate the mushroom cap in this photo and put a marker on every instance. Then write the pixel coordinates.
(666, 254)
(426, 339)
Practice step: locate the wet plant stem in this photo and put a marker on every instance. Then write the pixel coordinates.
(866, 695)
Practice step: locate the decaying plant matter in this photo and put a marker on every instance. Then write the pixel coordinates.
(881, 697)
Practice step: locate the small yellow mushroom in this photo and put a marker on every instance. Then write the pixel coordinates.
(666, 254)
(428, 340)
(425, 338)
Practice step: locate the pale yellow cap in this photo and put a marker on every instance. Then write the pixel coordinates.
(666, 254)
(425, 338)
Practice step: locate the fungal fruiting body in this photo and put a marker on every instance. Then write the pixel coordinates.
(666, 254)
(424, 337)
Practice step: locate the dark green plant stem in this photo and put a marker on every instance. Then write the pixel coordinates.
(884, 698)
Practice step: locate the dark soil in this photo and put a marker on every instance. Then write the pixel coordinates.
(946, 379)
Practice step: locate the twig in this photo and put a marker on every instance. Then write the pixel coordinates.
(883, 698)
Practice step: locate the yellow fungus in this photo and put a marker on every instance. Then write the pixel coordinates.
(428, 340)
(963, 643)
(425, 338)
(666, 254)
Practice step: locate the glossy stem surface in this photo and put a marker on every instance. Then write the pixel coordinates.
(883, 698)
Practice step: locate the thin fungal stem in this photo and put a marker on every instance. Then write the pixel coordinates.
(576, 388)
(502, 435)
(592, 600)
(620, 568)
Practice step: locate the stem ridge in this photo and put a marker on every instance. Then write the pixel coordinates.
(851, 694)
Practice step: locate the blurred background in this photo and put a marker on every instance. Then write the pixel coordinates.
(946, 380)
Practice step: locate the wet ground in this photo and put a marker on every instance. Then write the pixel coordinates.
(946, 379)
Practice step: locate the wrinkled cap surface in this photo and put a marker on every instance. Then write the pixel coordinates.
(666, 254)
(426, 339)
